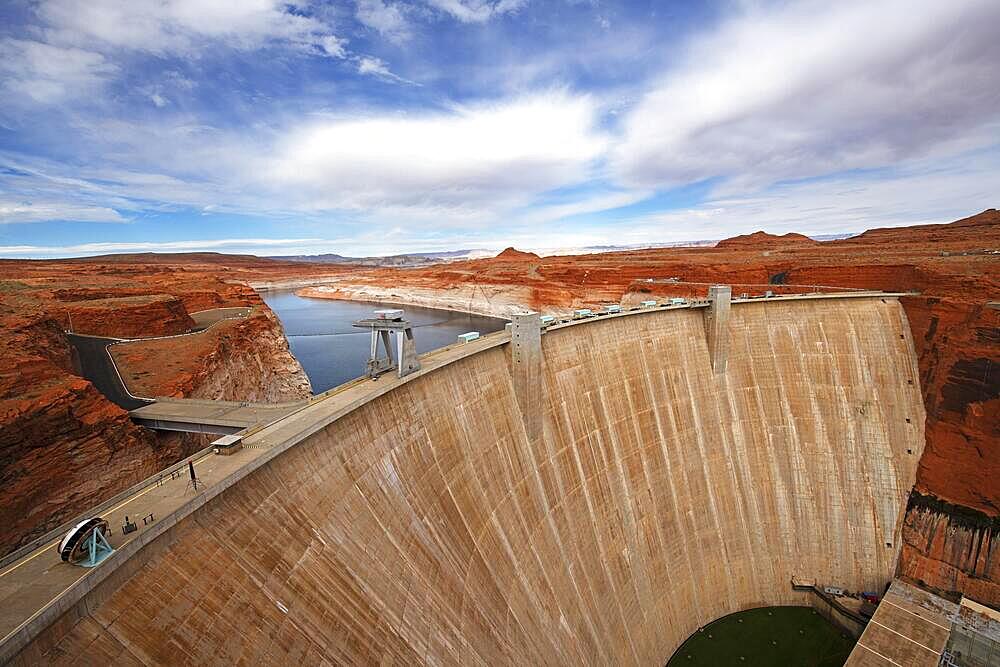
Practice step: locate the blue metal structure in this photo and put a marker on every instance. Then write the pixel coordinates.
(96, 549)
(86, 544)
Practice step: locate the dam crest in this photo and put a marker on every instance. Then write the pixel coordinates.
(591, 493)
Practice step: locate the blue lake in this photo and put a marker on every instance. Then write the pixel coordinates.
(332, 352)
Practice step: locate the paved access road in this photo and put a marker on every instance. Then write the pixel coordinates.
(96, 366)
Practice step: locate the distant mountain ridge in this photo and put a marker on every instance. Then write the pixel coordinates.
(413, 259)
(403, 260)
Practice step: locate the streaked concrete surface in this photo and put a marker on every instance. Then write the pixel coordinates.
(37, 589)
(413, 521)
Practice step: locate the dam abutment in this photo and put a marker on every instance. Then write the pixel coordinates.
(433, 523)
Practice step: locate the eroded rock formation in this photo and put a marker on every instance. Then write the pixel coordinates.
(513, 254)
(951, 548)
(63, 446)
(241, 359)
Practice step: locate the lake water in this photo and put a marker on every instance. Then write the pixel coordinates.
(332, 352)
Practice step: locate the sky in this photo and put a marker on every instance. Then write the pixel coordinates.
(368, 127)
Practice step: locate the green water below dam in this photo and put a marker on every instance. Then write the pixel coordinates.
(766, 637)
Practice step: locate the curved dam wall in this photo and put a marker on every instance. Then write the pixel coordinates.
(427, 527)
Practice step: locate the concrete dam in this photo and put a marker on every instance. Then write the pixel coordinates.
(590, 494)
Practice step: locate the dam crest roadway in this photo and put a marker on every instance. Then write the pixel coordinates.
(591, 492)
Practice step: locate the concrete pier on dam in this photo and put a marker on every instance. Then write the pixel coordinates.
(590, 494)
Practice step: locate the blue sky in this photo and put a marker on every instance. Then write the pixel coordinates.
(376, 126)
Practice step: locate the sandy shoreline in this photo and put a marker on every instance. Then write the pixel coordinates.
(292, 283)
(471, 300)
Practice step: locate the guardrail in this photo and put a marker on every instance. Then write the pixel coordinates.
(56, 533)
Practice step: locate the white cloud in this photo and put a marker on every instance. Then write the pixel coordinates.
(79, 41)
(477, 11)
(335, 47)
(384, 17)
(796, 91)
(47, 74)
(815, 88)
(602, 201)
(266, 246)
(180, 26)
(43, 211)
(917, 192)
(467, 159)
(88, 193)
(370, 65)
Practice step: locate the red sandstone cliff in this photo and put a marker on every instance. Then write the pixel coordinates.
(63, 446)
(951, 549)
(126, 317)
(239, 359)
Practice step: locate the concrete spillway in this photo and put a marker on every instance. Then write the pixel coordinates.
(427, 526)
